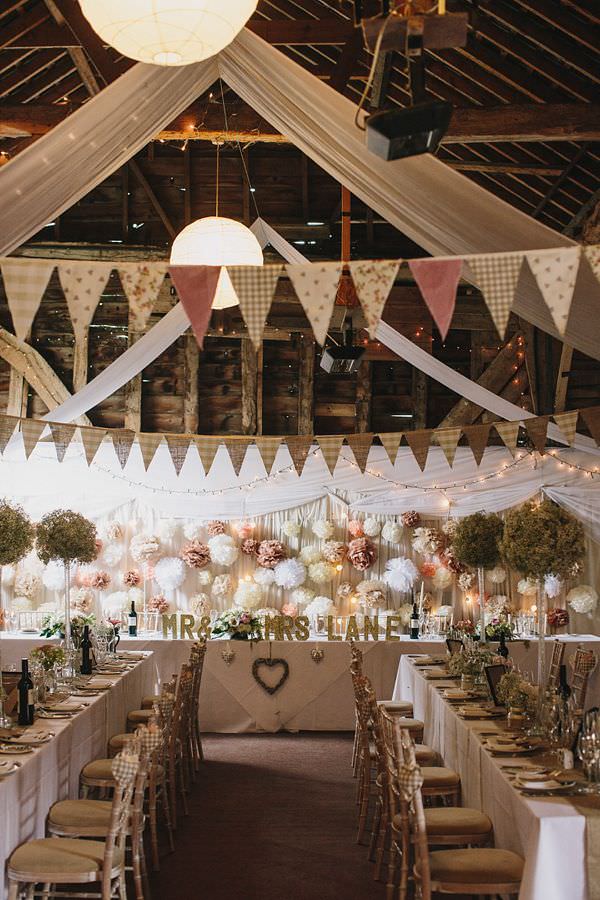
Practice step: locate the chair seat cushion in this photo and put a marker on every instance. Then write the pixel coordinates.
(425, 755)
(453, 820)
(396, 707)
(148, 702)
(85, 813)
(101, 769)
(118, 741)
(140, 716)
(476, 866)
(439, 776)
(59, 858)
(410, 724)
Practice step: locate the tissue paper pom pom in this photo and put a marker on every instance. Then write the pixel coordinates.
(112, 532)
(310, 554)
(54, 575)
(113, 554)
(99, 580)
(320, 606)
(166, 529)
(84, 575)
(9, 575)
(82, 600)
(134, 595)
(445, 610)
(291, 529)
(21, 604)
(290, 573)
(264, 576)
(400, 573)
(355, 527)
(222, 587)
(245, 530)
(334, 552)
(144, 546)
(193, 530)
(371, 526)
(451, 562)
(371, 593)
(158, 603)
(320, 572)
(497, 575)
(131, 578)
(289, 609)
(47, 607)
(301, 596)
(266, 612)
(391, 532)
(115, 602)
(223, 550)
(362, 553)
(250, 547)
(370, 584)
(195, 554)
(442, 578)
(428, 569)
(411, 518)
(527, 586)
(405, 613)
(200, 604)
(205, 578)
(27, 584)
(323, 529)
(465, 581)
(552, 585)
(169, 573)
(248, 594)
(345, 591)
(270, 553)
(558, 618)
(583, 598)
(427, 540)
(449, 527)
(215, 527)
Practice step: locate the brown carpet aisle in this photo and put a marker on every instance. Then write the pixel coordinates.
(272, 817)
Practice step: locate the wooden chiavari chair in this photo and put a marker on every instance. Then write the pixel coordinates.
(454, 646)
(583, 664)
(197, 656)
(558, 652)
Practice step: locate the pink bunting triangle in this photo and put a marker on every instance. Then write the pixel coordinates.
(438, 281)
(196, 287)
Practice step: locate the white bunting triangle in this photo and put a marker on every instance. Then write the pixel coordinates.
(83, 283)
(141, 282)
(497, 278)
(555, 272)
(373, 280)
(25, 281)
(592, 254)
(255, 286)
(316, 285)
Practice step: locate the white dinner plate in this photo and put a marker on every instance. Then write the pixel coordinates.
(34, 738)
(8, 766)
(543, 786)
(42, 714)
(12, 749)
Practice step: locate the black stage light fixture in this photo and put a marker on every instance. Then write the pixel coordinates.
(342, 359)
(399, 133)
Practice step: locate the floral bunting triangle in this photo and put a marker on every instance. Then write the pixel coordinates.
(196, 287)
(91, 439)
(360, 444)
(122, 442)
(391, 442)
(83, 283)
(591, 417)
(373, 280)
(178, 449)
(299, 448)
(141, 283)
(567, 422)
(236, 448)
(419, 442)
(255, 287)
(25, 281)
(555, 272)
(447, 439)
(268, 447)
(207, 450)
(7, 429)
(537, 429)
(477, 438)
(31, 429)
(331, 445)
(149, 443)
(508, 433)
(316, 285)
(438, 282)
(62, 435)
(592, 254)
(497, 277)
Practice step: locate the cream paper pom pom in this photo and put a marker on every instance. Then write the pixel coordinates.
(310, 554)
(169, 573)
(49, 606)
(112, 554)
(200, 604)
(27, 584)
(143, 547)
(320, 572)
(248, 594)
(527, 586)
(54, 575)
(223, 550)
(193, 530)
(9, 574)
(405, 613)
(391, 532)
(112, 532)
(205, 578)
(445, 610)
(290, 573)
(134, 595)
(583, 599)
(115, 603)
(400, 573)
(301, 596)
(497, 575)
(323, 529)
(21, 604)
(465, 581)
(371, 526)
(166, 529)
(320, 606)
(222, 587)
(82, 600)
(291, 529)
(264, 576)
(442, 579)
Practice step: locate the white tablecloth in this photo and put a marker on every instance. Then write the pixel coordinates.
(548, 833)
(51, 772)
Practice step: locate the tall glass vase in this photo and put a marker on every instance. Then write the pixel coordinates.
(541, 665)
(68, 640)
(481, 588)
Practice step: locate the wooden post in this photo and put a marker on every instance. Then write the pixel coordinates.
(125, 204)
(133, 391)
(259, 390)
(80, 360)
(562, 379)
(306, 384)
(363, 396)
(419, 396)
(187, 183)
(249, 387)
(346, 214)
(245, 185)
(18, 395)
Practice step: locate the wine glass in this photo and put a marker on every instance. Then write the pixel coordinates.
(588, 751)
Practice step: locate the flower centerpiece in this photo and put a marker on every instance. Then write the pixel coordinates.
(16, 534)
(510, 690)
(464, 627)
(238, 625)
(557, 618)
(470, 663)
(48, 656)
(476, 544)
(53, 624)
(498, 629)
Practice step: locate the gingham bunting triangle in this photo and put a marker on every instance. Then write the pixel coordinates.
(31, 429)
(419, 442)
(555, 272)
(591, 417)
(83, 282)
(255, 286)
(316, 285)
(477, 438)
(91, 439)
(207, 449)
(25, 281)
(360, 444)
(149, 443)
(373, 280)
(141, 282)
(122, 442)
(178, 449)
(236, 447)
(447, 439)
(330, 445)
(567, 422)
(268, 447)
(7, 429)
(537, 429)
(299, 448)
(508, 433)
(62, 435)
(391, 442)
(497, 277)
(592, 254)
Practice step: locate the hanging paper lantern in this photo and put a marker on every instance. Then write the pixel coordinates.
(216, 241)
(166, 33)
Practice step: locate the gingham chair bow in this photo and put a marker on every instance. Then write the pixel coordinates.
(150, 738)
(124, 767)
(410, 779)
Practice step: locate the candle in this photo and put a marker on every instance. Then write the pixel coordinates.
(421, 598)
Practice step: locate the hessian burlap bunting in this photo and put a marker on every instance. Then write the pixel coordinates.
(419, 442)
(330, 448)
(360, 444)
(477, 438)
(537, 429)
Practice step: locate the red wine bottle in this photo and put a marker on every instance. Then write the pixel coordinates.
(86, 652)
(25, 691)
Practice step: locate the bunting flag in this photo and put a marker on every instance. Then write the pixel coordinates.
(537, 429)
(299, 448)
(419, 442)
(141, 282)
(373, 280)
(25, 281)
(477, 438)
(149, 443)
(207, 449)
(592, 254)
(196, 287)
(567, 422)
(7, 429)
(178, 449)
(31, 429)
(330, 445)
(255, 286)
(360, 444)
(497, 278)
(555, 272)
(447, 439)
(268, 447)
(91, 439)
(316, 286)
(83, 282)
(62, 435)
(438, 282)
(508, 432)
(237, 451)
(591, 417)
(122, 442)
(391, 442)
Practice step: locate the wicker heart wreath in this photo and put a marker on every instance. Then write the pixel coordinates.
(270, 663)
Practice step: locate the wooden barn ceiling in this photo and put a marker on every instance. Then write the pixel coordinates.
(526, 126)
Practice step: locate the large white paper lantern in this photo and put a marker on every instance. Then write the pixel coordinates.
(217, 241)
(168, 32)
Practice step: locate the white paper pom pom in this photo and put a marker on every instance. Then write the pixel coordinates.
(49, 606)
(223, 550)
(111, 532)
(323, 529)
(167, 528)
(371, 526)
(442, 579)
(21, 604)
(134, 595)
(205, 577)
(445, 610)
(112, 554)
(391, 532)
(54, 575)
(114, 604)
(400, 573)
(193, 531)
(248, 594)
(583, 598)
(169, 573)
(290, 573)
(310, 554)
(552, 586)
(82, 600)
(301, 596)
(27, 584)
(291, 529)
(320, 606)
(527, 586)
(8, 575)
(497, 575)
(222, 587)
(264, 576)
(144, 546)
(321, 572)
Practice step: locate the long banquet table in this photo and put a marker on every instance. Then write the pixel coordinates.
(548, 832)
(51, 771)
